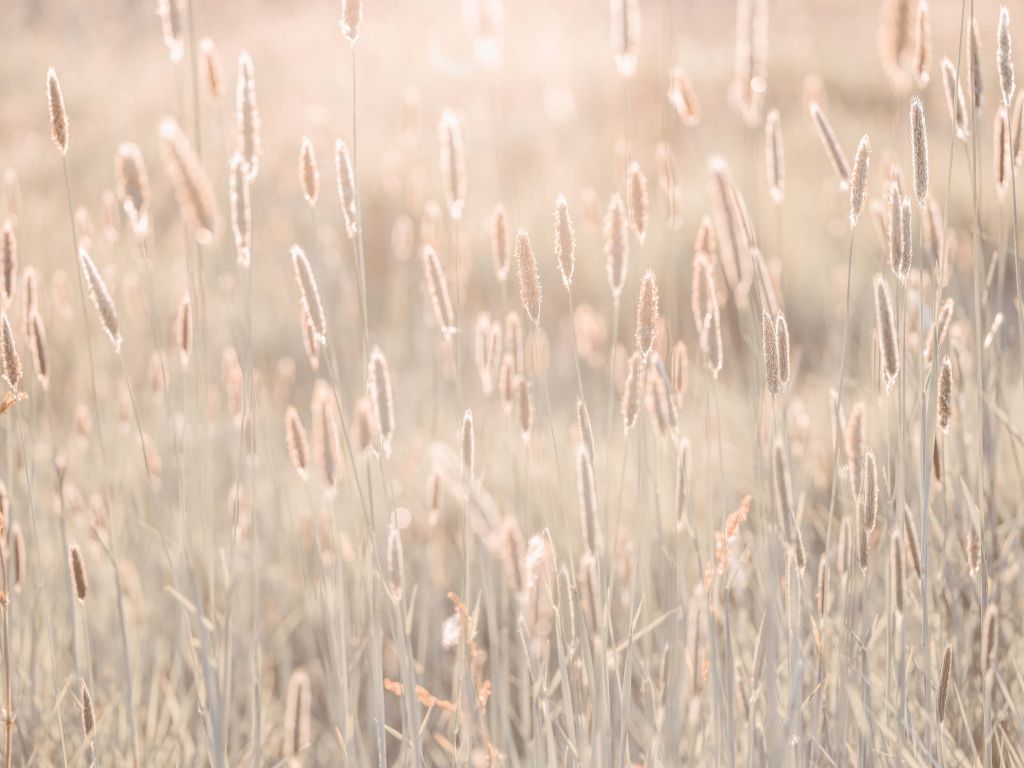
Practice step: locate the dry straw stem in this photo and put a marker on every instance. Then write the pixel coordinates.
(775, 156)
(192, 187)
(944, 404)
(58, 114)
(859, 179)
(501, 242)
(616, 244)
(309, 293)
(78, 577)
(346, 187)
(954, 99)
(647, 314)
(885, 322)
(351, 19)
(1017, 133)
(296, 441)
(101, 299)
(639, 201)
(132, 183)
(565, 241)
(683, 97)
(770, 350)
(437, 284)
(625, 35)
(831, 144)
(379, 385)
(923, 44)
(529, 278)
(453, 163)
(309, 174)
(919, 146)
(1004, 57)
(298, 703)
(896, 572)
(990, 638)
(588, 499)
(783, 486)
(211, 68)
(248, 117)
(634, 386)
(241, 211)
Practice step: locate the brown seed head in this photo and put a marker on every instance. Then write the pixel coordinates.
(58, 115)
(78, 578)
(647, 314)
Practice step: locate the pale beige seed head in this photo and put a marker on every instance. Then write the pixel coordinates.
(923, 44)
(10, 361)
(183, 329)
(940, 329)
(379, 385)
(211, 68)
(172, 24)
(37, 341)
(309, 294)
(990, 638)
(453, 163)
(647, 314)
(616, 245)
(58, 114)
(855, 446)
(831, 144)
(501, 242)
(639, 202)
(844, 548)
(859, 179)
(782, 334)
(955, 100)
(346, 187)
(514, 343)
(885, 322)
(711, 342)
(919, 145)
(783, 486)
(467, 444)
(351, 19)
(524, 406)
(679, 369)
(296, 441)
(775, 157)
(732, 235)
(1001, 160)
(1004, 57)
(247, 116)
(625, 35)
(944, 676)
(437, 284)
(974, 64)
(750, 60)
(894, 39)
(634, 386)
(770, 351)
(132, 183)
(396, 562)
(8, 263)
(585, 428)
(683, 468)
(529, 278)
(588, 498)
(88, 713)
(944, 403)
(364, 427)
(683, 97)
(309, 173)
(326, 431)
(192, 187)
(78, 577)
(906, 240)
(565, 241)
(868, 496)
(101, 299)
(241, 211)
(895, 233)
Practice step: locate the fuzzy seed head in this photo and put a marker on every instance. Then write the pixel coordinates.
(919, 145)
(859, 179)
(58, 114)
(501, 242)
(885, 324)
(647, 314)
(309, 174)
(453, 163)
(616, 245)
(101, 299)
(565, 241)
(529, 278)
(248, 117)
